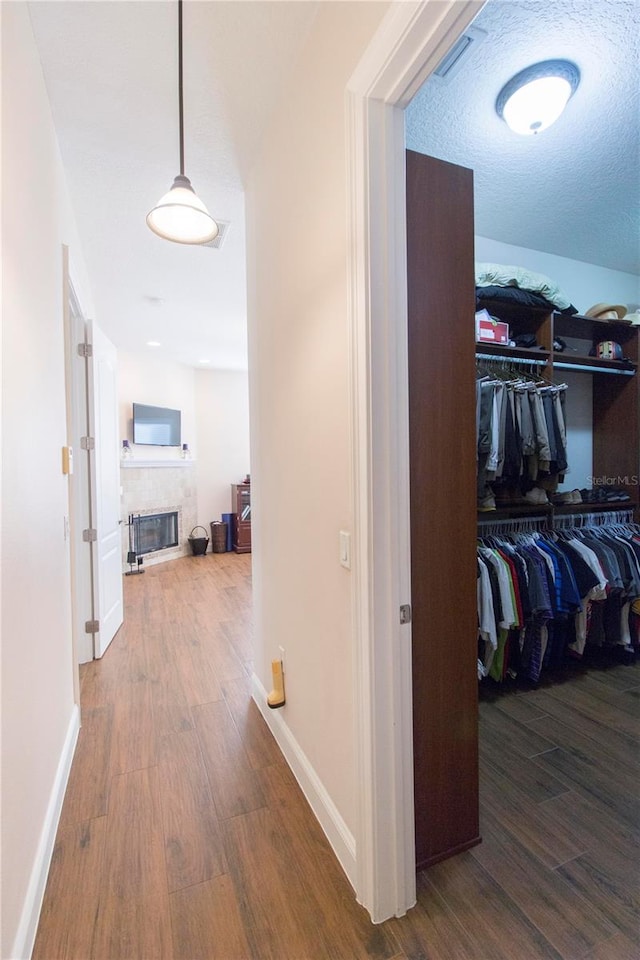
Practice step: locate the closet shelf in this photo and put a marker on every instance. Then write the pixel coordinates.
(588, 328)
(550, 510)
(562, 361)
(514, 511)
(624, 368)
(614, 506)
(520, 353)
(584, 364)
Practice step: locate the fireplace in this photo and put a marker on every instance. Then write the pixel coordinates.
(156, 531)
(154, 487)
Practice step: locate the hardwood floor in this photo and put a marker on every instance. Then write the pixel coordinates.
(185, 836)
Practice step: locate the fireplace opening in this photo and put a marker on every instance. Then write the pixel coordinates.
(155, 532)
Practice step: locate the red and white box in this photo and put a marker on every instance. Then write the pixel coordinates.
(489, 330)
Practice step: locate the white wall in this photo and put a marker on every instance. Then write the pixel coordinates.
(160, 383)
(222, 425)
(38, 710)
(215, 422)
(578, 411)
(584, 283)
(299, 388)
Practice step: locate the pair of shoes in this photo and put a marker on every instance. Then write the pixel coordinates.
(487, 503)
(615, 495)
(605, 494)
(569, 496)
(536, 495)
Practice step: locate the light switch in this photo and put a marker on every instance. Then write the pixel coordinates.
(345, 549)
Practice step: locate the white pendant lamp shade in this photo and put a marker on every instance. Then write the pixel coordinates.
(534, 99)
(181, 216)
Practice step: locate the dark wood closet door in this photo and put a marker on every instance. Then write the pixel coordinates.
(441, 301)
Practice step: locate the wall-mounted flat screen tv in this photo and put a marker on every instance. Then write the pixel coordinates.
(156, 426)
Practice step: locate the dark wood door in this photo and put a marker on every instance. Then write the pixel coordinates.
(441, 339)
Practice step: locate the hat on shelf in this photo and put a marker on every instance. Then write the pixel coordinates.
(606, 311)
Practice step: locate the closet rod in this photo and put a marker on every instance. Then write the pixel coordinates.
(514, 523)
(522, 360)
(566, 521)
(589, 369)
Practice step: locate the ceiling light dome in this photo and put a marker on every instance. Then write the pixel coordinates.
(534, 99)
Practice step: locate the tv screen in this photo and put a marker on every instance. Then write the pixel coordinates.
(156, 426)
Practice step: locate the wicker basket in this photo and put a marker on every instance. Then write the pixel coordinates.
(198, 544)
(218, 536)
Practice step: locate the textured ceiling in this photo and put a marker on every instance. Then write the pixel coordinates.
(573, 190)
(111, 74)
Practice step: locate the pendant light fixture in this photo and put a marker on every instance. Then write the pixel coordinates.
(180, 215)
(534, 99)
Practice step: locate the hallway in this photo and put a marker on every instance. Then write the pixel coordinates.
(184, 836)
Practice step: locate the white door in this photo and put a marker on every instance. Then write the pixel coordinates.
(79, 486)
(105, 489)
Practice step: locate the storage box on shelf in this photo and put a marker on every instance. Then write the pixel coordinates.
(532, 321)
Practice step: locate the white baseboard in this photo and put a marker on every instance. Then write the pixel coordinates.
(28, 926)
(338, 834)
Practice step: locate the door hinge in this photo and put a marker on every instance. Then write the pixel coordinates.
(90, 535)
(87, 443)
(92, 626)
(85, 350)
(405, 613)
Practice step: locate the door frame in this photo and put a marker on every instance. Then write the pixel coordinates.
(409, 44)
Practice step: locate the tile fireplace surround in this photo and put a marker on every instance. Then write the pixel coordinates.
(159, 486)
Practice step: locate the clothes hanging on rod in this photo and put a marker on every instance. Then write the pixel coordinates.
(543, 596)
(521, 433)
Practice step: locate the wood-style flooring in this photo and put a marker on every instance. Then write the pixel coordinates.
(184, 835)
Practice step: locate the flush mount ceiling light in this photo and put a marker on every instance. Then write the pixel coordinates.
(180, 215)
(534, 99)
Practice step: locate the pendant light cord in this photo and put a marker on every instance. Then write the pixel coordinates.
(180, 95)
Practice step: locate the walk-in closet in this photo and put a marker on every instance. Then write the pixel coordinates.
(524, 442)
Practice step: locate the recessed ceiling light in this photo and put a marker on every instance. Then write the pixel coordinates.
(153, 343)
(205, 360)
(534, 99)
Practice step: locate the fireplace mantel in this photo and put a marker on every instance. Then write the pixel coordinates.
(133, 464)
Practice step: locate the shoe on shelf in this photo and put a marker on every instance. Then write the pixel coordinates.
(616, 495)
(487, 503)
(536, 496)
(567, 497)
